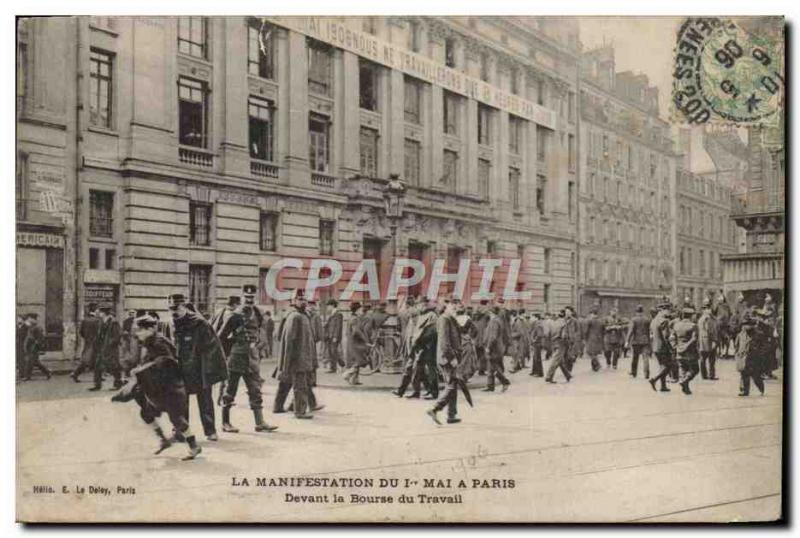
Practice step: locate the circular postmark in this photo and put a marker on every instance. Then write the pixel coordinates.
(725, 73)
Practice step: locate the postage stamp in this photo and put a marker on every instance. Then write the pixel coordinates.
(724, 73)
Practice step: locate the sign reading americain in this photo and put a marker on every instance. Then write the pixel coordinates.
(334, 32)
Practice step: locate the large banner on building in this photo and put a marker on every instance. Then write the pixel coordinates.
(334, 32)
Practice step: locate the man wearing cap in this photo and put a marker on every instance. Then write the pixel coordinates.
(535, 336)
(722, 313)
(317, 330)
(410, 367)
(108, 350)
(267, 335)
(638, 340)
(448, 357)
(707, 341)
(89, 331)
(333, 336)
(685, 342)
(201, 357)
(423, 347)
(748, 361)
(612, 341)
(33, 347)
(128, 341)
(296, 358)
(564, 331)
(661, 346)
(357, 344)
(158, 387)
(594, 332)
(495, 343)
(240, 335)
(519, 336)
(481, 319)
(221, 317)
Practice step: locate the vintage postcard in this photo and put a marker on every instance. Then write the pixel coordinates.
(400, 269)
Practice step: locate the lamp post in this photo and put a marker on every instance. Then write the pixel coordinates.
(393, 198)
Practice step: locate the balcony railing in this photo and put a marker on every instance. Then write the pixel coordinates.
(752, 267)
(323, 180)
(263, 169)
(196, 157)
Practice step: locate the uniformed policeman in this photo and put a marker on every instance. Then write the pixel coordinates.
(240, 336)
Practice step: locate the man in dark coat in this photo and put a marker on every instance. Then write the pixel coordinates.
(22, 330)
(89, 331)
(748, 362)
(495, 342)
(535, 336)
(448, 357)
(108, 343)
(660, 343)
(685, 342)
(423, 347)
(519, 336)
(158, 387)
(333, 336)
(33, 347)
(707, 342)
(564, 336)
(638, 340)
(267, 336)
(594, 334)
(296, 358)
(612, 341)
(201, 357)
(357, 344)
(481, 319)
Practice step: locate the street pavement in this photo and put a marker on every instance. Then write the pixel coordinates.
(602, 448)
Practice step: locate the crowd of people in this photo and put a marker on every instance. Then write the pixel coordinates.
(441, 345)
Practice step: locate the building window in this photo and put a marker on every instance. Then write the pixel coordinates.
(261, 49)
(491, 248)
(326, 228)
(450, 168)
(199, 224)
(369, 152)
(605, 145)
(319, 67)
(513, 188)
(318, 129)
(412, 99)
(514, 82)
(450, 113)
(652, 165)
(571, 107)
(413, 36)
(193, 113)
(484, 171)
(546, 297)
(261, 114)
(540, 92)
(268, 231)
(450, 52)
(368, 25)
(514, 134)
(22, 186)
(541, 183)
(100, 88)
(193, 36)
(111, 257)
(547, 259)
(571, 200)
(592, 228)
(367, 85)
(101, 214)
(571, 152)
(571, 263)
(199, 287)
(541, 143)
(484, 70)
(411, 162)
(94, 258)
(23, 69)
(484, 125)
(702, 262)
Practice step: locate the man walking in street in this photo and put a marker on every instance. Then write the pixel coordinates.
(638, 340)
(535, 336)
(357, 344)
(685, 342)
(564, 331)
(748, 362)
(333, 336)
(33, 347)
(594, 330)
(108, 350)
(89, 331)
(201, 358)
(660, 342)
(707, 342)
(448, 357)
(495, 344)
(296, 361)
(613, 339)
(266, 337)
(519, 336)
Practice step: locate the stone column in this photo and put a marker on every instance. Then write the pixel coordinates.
(296, 60)
(393, 121)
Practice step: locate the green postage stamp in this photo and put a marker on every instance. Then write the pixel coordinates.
(729, 72)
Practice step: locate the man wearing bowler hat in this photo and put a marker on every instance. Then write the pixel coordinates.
(201, 357)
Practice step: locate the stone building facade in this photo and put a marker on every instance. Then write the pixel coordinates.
(205, 149)
(627, 195)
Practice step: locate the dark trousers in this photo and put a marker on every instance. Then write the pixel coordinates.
(480, 353)
(665, 364)
(496, 369)
(449, 397)
(174, 404)
(612, 353)
(746, 375)
(103, 366)
(32, 361)
(334, 353)
(253, 385)
(560, 361)
(643, 351)
(595, 362)
(689, 368)
(537, 368)
(205, 405)
(708, 360)
(299, 384)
